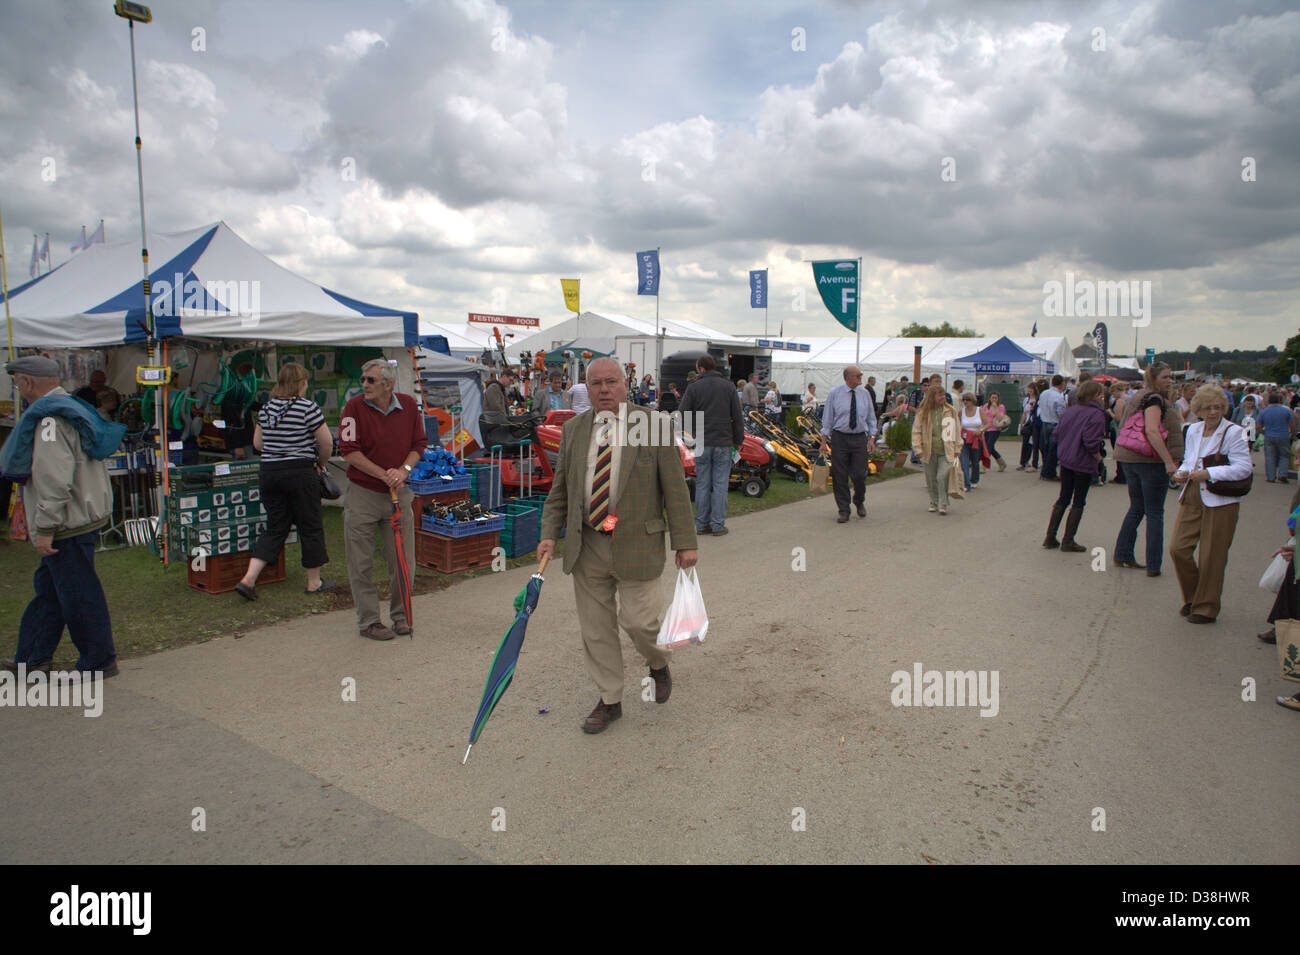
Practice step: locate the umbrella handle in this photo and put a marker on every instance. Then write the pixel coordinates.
(392, 493)
(541, 569)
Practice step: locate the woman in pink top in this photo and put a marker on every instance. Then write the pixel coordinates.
(994, 413)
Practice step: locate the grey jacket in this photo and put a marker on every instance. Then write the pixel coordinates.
(68, 493)
(716, 400)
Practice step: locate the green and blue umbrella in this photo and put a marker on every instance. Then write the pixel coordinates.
(507, 655)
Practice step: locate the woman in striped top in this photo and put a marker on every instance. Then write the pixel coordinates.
(295, 443)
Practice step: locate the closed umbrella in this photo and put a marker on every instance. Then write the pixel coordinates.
(507, 655)
(403, 568)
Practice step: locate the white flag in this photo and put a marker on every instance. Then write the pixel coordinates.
(36, 255)
(97, 235)
(78, 246)
(45, 251)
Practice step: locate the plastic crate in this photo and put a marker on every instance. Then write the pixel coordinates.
(523, 525)
(461, 528)
(459, 482)
(453, 555)
(221, 572)
(442, 497)
(487, 484)
(537, 501)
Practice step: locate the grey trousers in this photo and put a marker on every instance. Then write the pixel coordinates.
(364, 512)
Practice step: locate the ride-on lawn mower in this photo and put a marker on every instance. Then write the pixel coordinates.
(749, 475)
(529, 470)
(792, 457)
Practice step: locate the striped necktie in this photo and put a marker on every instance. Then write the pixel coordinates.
(600, 480)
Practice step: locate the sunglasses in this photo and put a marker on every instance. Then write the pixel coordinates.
(371, 381)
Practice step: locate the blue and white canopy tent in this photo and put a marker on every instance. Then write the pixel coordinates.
(1003, 357)
(208, 283)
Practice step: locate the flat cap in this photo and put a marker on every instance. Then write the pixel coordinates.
(38, 366)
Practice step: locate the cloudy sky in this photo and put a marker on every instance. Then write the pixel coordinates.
(465, 155)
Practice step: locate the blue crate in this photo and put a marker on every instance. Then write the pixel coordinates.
(522, 530)
(437, 484)
(486, 490)
(461, 528)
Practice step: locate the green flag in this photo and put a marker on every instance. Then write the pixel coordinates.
(837, 281)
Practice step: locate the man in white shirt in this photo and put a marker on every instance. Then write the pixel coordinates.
(577, 398)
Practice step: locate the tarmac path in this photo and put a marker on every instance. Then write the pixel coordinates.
(780, 743)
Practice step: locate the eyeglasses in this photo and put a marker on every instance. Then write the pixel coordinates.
(371, 381)
(605, 382)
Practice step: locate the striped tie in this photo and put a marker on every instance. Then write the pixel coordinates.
(600, 481)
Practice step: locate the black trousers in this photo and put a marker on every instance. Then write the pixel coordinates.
(1074, 488)
(291, 495)
(848, 463)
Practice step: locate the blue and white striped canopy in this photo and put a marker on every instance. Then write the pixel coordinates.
(205, 283)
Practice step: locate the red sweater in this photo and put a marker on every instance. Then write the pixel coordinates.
(386, 440)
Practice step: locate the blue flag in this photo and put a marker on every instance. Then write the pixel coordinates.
(758, 288)
(647, 272)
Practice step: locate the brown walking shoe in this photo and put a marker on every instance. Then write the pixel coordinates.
(377, 631)
(663, 684)
(600, 718)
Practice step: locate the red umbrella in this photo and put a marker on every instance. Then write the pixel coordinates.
(403, 568)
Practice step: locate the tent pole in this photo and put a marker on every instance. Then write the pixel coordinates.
(9, 324)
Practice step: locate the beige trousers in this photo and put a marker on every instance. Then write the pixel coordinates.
(1210, 529)
(640, 608)
(364, 511)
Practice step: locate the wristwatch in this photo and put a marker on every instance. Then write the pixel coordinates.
(408, 468)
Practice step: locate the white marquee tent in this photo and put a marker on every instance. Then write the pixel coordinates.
(890, 358)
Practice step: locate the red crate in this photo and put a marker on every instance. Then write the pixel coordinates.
(452, 555)
(442, 497)
(222, 571)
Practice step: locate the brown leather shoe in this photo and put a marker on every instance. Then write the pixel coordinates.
(663, 684)
(1199, 618)
(1268, 636)
(12, 667)
(842, 519)
(862, 510)
(377, 631)
(402, 629)
(600, 718)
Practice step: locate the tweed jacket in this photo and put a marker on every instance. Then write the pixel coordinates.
(651, 481)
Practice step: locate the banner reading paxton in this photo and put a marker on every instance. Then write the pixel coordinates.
(837, 281)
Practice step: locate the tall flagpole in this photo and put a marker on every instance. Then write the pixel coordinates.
(658, 356)
(857, 351)
(49, 256)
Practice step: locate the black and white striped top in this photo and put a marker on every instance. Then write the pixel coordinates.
(288, 429)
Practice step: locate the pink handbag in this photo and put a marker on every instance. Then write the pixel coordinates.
(1133, 435)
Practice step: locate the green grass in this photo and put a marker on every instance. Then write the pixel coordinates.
(153, 608)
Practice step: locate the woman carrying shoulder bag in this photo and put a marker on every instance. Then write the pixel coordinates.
(1150, 442)
(1216, 472)
(295, 443)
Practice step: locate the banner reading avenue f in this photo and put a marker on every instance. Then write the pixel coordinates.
(837, 281)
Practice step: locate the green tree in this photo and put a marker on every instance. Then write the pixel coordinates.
(946, 330)
(1281, 368)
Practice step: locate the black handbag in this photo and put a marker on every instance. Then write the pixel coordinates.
(1227, 488)
(329, 490)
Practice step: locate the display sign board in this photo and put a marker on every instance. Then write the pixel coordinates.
(480, 319)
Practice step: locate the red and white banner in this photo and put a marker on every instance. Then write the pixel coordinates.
(504, 320)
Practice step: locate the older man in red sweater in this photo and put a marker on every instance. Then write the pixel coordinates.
(381, 436)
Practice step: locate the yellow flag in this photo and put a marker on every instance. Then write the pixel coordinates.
(570, 287)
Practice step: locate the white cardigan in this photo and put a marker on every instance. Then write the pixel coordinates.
(1197, 446)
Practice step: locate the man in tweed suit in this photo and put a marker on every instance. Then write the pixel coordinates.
(618, 471)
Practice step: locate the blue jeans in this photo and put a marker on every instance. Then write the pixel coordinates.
(68, 593)
(1277, 458)
(970, 464)
(712, 472)
(1147, 486)
(1049, 450)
